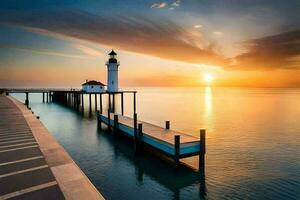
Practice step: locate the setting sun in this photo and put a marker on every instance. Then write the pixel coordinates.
(208, 78)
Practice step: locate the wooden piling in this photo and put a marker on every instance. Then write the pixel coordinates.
(167, 124)
(90, 104)
(43, 97)
(177, 150)
(202, 150)
(135, 132)
(82, 103)
(99, 123)
(96, 102)
(134, 102)
(47, 97)
(108, 119)
(122, 103)
(100, 103)
(140, 136)
(113, 106)
(27, 99)
(116, 124)
(109, 103)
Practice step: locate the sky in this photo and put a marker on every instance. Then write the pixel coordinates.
(61, 43)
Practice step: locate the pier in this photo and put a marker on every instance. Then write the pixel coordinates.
(32, 164)
(173, 144)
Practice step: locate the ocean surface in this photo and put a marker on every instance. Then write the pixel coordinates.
(253, 144)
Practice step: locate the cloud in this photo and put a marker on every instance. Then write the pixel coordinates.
(281, 51)
(41, 51)
(218, 33)
(88, 50)
(158, 38)
(197, 26)
(176, 3)
(159, 5)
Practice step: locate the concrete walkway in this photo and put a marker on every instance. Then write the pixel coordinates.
(32, 164)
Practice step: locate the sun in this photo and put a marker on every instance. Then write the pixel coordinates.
(208, 78)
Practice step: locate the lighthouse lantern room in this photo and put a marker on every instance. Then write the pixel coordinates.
(112, 72)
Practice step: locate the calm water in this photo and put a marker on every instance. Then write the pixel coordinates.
(253, 144)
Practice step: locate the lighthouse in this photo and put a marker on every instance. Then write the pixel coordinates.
(112, 72)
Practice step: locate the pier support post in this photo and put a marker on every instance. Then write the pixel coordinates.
(43, 97)
(27, 99)
(50, 96)
(134, 102)
(100, 103)
(116, 124)
(176, 150)
(78, 101)
(202, 150)
(135, 132)
(113, 106)
(138, 139)
(122, 103)
(47, 97)
(108, 119)
(99, 123)
(109, 102)
(82, 104)
(167, 124)
(95, 101)
(90, 104)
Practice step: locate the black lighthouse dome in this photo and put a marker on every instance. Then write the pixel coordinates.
(112, 57)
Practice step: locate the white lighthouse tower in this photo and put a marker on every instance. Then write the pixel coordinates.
(112, 72)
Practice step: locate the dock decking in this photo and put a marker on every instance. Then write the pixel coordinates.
(32, 164)
(172, 143)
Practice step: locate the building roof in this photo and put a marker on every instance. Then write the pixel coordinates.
(93, 82)
(112, 53)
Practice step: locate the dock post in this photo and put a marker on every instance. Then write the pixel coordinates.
(176, 150)
(99, 120)
(139, 138)
(100, 103)
(47, 97)
(27, 100)
(95, 101)
(50, 96)
(135, 132)
(43, 97)
(82, 104)
(108, 119)
(90, 104)
(113, 106)
(167, 124)
(116, 124)
(202, 150)
(109, 103)
(122, 103)
(134, 102)
(78, 102)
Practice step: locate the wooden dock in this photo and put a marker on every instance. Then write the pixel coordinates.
(169, 142)
(32, 164)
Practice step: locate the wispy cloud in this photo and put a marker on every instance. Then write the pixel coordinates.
(162, 39)
(197, 26)
(88, 50)
(218, 33)
(159, 5)
(176, 3)
(281, 51)
(41, 51)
